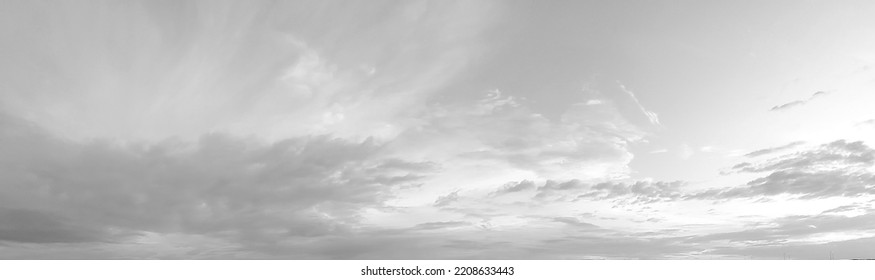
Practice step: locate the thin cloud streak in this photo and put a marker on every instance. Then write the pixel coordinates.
(774, 149)
(651, 116)
(797, 103)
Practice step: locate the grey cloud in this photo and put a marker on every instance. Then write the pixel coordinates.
(514, 187)
(562, 189)
(636, 192)
(838, 168)
(399, 164)
(440, 225)
(806, 185)
(841, 152)
(30, 226)
(844, 208)
(640, 192)
(572, 221)
(604, 247)
(869, 122)
(242, 191)
(783, 229)
(447, 199)
(774, 149)
(514, 243)
(797, 102)
(839, 250)
(785, 237)
(788, 105)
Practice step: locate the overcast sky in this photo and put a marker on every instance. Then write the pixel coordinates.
(437, 129)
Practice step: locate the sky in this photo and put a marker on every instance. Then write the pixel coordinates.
(437, 129)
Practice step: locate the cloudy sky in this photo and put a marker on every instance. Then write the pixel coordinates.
(437, 129)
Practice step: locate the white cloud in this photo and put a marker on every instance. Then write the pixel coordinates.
(653, 117)
(685, 151)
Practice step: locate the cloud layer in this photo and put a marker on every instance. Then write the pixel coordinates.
(410, 130)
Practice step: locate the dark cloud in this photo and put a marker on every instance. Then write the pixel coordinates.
(774, 149)
(797, 102)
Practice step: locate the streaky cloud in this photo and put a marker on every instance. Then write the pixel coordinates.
(651, 116)
(835, 169)
(774, 149)
(797, 103)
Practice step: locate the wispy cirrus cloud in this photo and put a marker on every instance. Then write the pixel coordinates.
(797, 103)
(259, 68)
(771, 150)
(651, 116)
